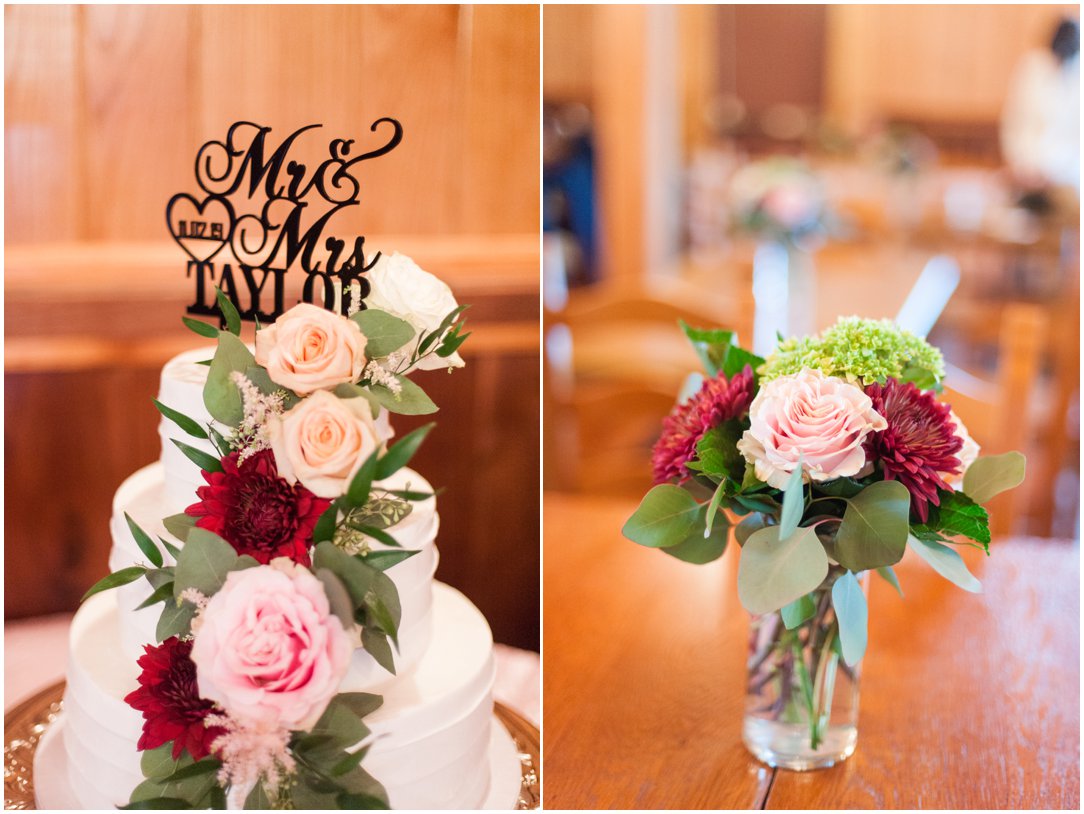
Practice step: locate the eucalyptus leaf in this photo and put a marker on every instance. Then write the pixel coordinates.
(793, 504)
(751, 523)
(205, 561)
(157, 804)
(376, 645)
(699, 549)
(889, 576)
(840, 487)
(774, 572)
(337, 596)
(220, 394)
(991, 475)
(158, 763)
(176, 620)
(261, 380)
(665, 517)
(257, 799)
(410, 400)
(946, 562)
(356, 576)
(798, 611)
(384, 333)
(383, 560)
(754, 503)
(875, 527)
(849, 602)
(179, 525)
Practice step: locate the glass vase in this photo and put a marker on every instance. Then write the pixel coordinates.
(801, 707)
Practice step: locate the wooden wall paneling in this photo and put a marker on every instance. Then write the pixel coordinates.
(345, 67)
(42, 165)
(501, 167)
(138, 137)
(568, 35)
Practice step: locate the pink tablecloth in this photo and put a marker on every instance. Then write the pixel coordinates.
(36, 654)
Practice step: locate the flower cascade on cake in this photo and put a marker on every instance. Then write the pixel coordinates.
(831, 458)
(273, 580)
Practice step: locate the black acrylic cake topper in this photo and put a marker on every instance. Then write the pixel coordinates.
(271, 238)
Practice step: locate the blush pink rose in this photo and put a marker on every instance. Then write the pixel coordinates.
(809, 417)
(268, 648)
(310, 348)
(323, 441)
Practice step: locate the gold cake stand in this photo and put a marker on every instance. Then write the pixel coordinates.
(26, 723)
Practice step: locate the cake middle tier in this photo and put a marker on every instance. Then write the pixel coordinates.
(143, 497)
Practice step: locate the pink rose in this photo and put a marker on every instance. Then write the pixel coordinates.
(268, 649)
(323, 441)
(792, 206)
(809, 417)
(310, 349)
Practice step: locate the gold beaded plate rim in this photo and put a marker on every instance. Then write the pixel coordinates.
(27, 722)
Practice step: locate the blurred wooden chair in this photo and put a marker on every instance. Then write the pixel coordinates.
(999, 414)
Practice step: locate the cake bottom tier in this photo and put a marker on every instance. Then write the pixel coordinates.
(432, 734)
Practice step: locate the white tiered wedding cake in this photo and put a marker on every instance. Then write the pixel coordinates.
(126, 734)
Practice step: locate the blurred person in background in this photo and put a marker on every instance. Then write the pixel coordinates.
(1040, 123)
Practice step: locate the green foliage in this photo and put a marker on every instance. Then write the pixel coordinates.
(717, 453)
(383, 560)
(849, 602)
(840, 487)
(400, 453)
(774, 572)
(190, 784)
(145, 543)
(205, 461)
(220, 394)
(665, 517)
(229, 312)
(798, 611)
(793, 504)
(384, 334)
(179, 525)
(993, 474)
(430, 339)
(205, 561)
(181, 420)
(713, 508)
(163, 593)
(763, 504)
(337, 596)
(257, 799)
(874, 528)
(889, 576)
(411, 400)
(752, 523)
(957, 515)
(115, 580)
(201, 328)
(379, 512)
(261, 380)
(176, 620)
(357, 493)
(710, 345)
(702, 546)
(946, 562)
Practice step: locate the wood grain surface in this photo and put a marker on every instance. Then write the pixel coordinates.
(968, 701)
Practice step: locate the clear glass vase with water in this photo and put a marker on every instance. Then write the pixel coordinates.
(801, 708)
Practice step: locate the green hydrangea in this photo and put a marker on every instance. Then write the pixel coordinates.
(862, 351)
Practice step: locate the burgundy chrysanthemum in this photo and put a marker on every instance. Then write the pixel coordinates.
(257, 512)
(169, 700)
(718, 400)
(919, 443)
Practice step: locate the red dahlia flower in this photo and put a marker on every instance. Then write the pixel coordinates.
(718, 400)
(919, 443)
(170, 703)
(249, 506)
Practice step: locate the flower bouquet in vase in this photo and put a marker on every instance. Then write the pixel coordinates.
(827, 461)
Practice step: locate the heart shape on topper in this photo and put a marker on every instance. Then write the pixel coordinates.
(200, 248)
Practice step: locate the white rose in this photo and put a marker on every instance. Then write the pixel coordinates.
(310, 348)
(967, 454)
(818, 420)
(323, 441)
(404, 290)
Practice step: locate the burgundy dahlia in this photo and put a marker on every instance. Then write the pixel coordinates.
(169, 700)
(718, 400)
(919, 443)
(249, 506)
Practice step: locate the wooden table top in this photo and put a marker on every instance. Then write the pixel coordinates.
(967, 701)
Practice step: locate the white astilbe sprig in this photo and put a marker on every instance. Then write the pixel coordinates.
(252, 433)
(379, 374)
(198, 599)
(250, 754)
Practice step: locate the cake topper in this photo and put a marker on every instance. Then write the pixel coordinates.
(269, 213)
